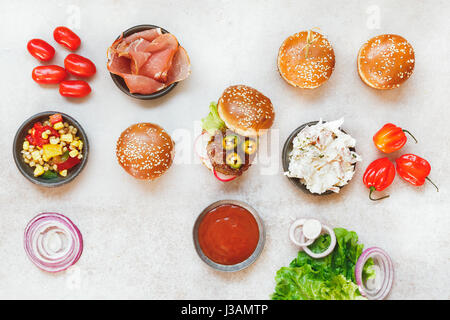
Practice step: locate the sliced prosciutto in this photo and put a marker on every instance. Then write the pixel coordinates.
(148, 61)
(142, 84)
(181, 67)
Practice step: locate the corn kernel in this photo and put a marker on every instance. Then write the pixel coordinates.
(63, 173)
(36, 155)
(74, 144)
(45, 134)
(58, 126)
(45, 158)
(32, 163)
(67, 137)
(38, 171)
(54, 140)
(26, 145)
(73, 153)
(80, 145)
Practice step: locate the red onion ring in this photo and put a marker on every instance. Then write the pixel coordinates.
(386, 271)
(52, 242)
(223, 177)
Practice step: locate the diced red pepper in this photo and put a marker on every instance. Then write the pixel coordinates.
(69, 163)
(55, 118)
(53, 132)
(36, 134)
(30, 139)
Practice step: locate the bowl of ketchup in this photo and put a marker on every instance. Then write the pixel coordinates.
(229, 235)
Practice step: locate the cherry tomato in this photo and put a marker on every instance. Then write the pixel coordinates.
(48, 74)
(79, 66)
(74, 88)
(67, 38)
(40, 49)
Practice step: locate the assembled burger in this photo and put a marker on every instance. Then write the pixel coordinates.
(229, 140)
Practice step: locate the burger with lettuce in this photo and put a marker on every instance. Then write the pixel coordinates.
(229, 139)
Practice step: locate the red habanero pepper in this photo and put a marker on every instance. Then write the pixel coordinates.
(414, 169)
(378, 176)
(390, 138)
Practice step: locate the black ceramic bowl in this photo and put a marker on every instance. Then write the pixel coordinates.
(27, 171)
(239, 266)
(287, 148)
(120, 83)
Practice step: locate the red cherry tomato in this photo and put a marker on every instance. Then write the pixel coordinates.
(40, 49)
(79, 66)
(74, 88)
(67, 38)
(48, 74)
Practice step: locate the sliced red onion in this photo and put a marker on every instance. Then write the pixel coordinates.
(379, 287)
(223, 177)
(52, 242)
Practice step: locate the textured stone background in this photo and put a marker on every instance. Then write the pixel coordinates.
(138, 235)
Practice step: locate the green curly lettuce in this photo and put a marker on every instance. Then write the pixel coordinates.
(212, 122)
(328, 278)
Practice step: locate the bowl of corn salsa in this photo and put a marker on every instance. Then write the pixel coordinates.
(50, 148)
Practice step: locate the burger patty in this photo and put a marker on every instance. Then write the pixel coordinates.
(217, 154)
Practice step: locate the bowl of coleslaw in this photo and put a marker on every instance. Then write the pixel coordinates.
(319, 157)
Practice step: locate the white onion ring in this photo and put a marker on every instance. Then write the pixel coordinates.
(296, 225)
(384, 262)
(38, 246)
(325, 229)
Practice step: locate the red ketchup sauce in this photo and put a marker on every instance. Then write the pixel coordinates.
(228, 234)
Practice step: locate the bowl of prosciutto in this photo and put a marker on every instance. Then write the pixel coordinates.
(146, 62)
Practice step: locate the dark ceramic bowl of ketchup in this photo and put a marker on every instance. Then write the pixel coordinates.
(229, 235)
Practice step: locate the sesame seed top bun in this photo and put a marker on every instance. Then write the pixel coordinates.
(245, 110)
(145, 151)
(306, 59)
(386, 61)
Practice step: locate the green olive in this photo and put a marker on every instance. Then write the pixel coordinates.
(234, 160)
(250, 146)
(230, 142)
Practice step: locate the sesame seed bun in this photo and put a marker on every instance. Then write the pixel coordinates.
(145, 150)
(385, 61)
(245, 110)
(306, 59)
